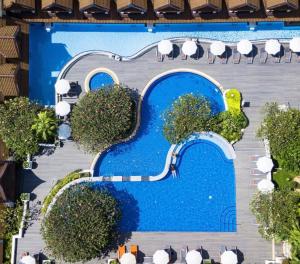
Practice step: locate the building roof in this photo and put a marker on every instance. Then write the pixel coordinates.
(8, 79)
(168, 5)
(57, 5)
(19, 4)
(101, 5)
(132, 5)
(8, 44)
(238, 4)
(7, 181)
(274, 4)
(204, 4)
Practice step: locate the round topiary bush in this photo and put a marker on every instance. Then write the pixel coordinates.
(103, 117)
(81, 225)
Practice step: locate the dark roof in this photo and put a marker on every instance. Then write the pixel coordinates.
(243, 4)
(197, 5)
(8, 43)
(168, 5)
(132, 5)
(57, 5)
(281, 4)
(95, 5)
(19, 4)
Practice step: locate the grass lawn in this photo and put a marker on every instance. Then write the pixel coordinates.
(284, 179)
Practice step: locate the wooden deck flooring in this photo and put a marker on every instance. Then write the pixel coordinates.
(258, 83)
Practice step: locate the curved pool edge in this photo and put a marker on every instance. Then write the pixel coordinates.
(212, 137)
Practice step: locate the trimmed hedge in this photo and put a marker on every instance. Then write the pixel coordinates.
(59, 185)
(233, 99)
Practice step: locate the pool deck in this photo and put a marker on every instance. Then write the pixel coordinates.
(258, 84)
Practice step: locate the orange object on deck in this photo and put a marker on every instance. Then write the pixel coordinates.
(121, 251)
(134, 250)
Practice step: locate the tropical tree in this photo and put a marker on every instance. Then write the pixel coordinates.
(188, 114)
(82, 224)
(103, 117)
(45, 125)
(16, 119)
(275, 213)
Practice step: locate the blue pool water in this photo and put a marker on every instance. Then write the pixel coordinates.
(50, 51)
(201, 197)
(100, 79)
(145, 155)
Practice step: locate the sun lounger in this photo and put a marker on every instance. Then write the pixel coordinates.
(223, 249)
(183, 253)
(287, 55)
(298, 57)
(224, 58)
(211, 57)
(263, 56)
(255, 172)
(277, 58)
(134, 250)
(159, 56)
(254, 182)
(250, 58)
(171, 56)
(148, 260)
(121, 251)
(183, 56)
(236, 56)
(254, 158)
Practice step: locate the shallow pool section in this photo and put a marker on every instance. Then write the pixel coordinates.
(145, 154)
(200, 199)
(50, 51)
(100, 80)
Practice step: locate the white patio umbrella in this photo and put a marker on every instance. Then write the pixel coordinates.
(244, 47)
(295, 44)
(229, 257)
(64, 131)
(217, 48)
(165, 47)
(272, 46)
(128, 258)
(193, 257)
(161, 257)
(264, 164)
(265, 186)
(27, 260)
(62, 108)
(189, 47)
(62, 86)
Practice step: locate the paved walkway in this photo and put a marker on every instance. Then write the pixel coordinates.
(258, 83)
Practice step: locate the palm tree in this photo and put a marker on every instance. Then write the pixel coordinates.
(45, 125)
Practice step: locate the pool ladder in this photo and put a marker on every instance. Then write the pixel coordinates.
(252, 26)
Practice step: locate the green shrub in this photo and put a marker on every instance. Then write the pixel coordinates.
(103, 117)
(60, 184)
(233, 99)
(276, 213)
(45, 126)
(16, 119)
(284, 179)
(188, 114)
(294, 240)
(10, 220)
(282, 129)
(81, 224)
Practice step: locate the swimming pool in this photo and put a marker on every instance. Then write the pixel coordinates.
(201, 197)
(50, 51)
(145, 154)
(99, 80)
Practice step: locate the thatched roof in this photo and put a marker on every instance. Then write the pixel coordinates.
(57, 5)
(198, 5)
(94, 5)
(281, 4)
(168, 5)
(8, 44)
(132, 5)
(8, 79)
(7, 181)
(243, 4)
(19, 4)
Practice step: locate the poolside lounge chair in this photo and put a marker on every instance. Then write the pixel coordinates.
(171, 55)
(287, 55)
(134, 250)
(263, 56)
(148, 260)
(255, 172)
(277, 58)
(159, 56)
(298, 57)
(254, 158)
(121, 251)
(223, 249)
(254, 182)
(224, 58)
(211, 57)
(236, 56)
(250, 58)
(183, 253)
(183, 56)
